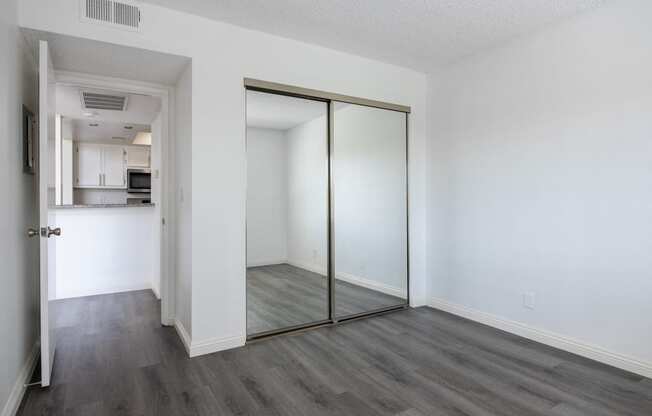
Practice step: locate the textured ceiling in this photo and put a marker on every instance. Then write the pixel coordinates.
(420, 34)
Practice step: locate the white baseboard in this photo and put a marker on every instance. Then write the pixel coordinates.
(312, 267)
(370, 284)
(18, 391)
(183, 334)
(103, 291)
(548, 338)
(257, 263)
(353, 279)
(209, 346)
(156, 293)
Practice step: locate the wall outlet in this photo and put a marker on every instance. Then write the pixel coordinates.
(529, 299)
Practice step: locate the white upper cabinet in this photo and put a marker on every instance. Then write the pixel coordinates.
(89, 165)
(100, 166)
(138, 157)
(114, 171)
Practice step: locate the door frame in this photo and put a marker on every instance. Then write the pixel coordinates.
(167, 218)
(330, 99)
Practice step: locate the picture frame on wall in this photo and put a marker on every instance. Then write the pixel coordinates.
(29, 144)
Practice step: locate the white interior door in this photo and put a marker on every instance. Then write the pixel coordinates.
(46, 189)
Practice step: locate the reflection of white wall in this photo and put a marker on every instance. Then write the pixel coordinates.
(287, 204)
(266, 197)
(287, 209)
(308, 195)
(370, 197)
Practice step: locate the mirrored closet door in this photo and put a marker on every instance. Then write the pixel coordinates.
(287, 212)
(327, 208)
(369, 173)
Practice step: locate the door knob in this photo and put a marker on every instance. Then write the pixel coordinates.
(55, 231)
(31, 232)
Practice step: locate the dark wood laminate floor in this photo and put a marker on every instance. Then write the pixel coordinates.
(114, 358)
(282, 295)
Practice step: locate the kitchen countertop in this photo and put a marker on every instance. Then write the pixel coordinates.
(150, 204)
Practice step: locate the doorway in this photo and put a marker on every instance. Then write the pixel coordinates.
(104, 184)
(327, 223)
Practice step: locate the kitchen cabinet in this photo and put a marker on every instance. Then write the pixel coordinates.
(114, 169)
(89, 166)
(138, 157)
(100, 166)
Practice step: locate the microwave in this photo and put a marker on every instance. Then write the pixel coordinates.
(139, 181)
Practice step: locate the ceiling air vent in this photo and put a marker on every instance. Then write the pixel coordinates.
(95, 101)
(119, 14)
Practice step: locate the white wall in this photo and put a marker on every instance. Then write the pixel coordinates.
(18, 254)
(267, 193)
(222, 55)
(156, 148)
(182, 154)
(67, 161)
(104, 250)
(541, 173)
(307, 206)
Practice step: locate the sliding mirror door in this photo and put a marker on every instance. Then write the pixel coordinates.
(287, 212)
(369, 174)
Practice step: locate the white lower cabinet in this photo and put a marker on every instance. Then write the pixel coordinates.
(100, 166)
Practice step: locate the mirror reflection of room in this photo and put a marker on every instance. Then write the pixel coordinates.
(370, 208)
(287, 211)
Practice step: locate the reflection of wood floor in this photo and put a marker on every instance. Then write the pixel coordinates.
(282, 295)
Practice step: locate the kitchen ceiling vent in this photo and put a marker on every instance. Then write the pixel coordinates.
(96, 101)
(120, 14)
